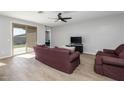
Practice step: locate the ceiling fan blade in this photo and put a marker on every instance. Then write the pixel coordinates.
(63, 20)
(67, 18)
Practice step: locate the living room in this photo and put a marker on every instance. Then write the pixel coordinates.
(61, 46)
(84, 34)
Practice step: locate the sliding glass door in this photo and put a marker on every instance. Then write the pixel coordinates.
(19, 40)
(24, 38)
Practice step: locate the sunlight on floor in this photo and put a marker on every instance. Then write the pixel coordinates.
(19, 50)
(31, 55)
(2, 64)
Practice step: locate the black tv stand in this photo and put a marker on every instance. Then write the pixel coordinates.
(78, 47)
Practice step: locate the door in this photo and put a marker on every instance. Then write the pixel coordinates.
(19, 40)
(24, 38)
(47, 38)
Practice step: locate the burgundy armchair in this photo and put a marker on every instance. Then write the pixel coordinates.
(110, 63)
(111, 52)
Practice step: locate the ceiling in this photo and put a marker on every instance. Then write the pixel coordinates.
(45, 16)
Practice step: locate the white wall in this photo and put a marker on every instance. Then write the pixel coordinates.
(97, 33)
(6, 34)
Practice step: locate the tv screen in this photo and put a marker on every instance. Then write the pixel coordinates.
(76, 40)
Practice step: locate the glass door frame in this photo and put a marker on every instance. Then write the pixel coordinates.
(26, 26)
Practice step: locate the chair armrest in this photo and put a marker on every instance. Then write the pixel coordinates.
(113, 61)
(73, 56)
(108, 51)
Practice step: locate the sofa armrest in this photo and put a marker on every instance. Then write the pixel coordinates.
(108, 51)
(73, 56)
(113, 61)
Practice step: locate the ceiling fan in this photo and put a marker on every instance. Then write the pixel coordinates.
(60, 18)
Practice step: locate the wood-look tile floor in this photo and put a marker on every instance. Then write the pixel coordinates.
(25, 67)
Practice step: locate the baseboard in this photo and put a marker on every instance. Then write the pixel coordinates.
(5, 57)
(91, 53)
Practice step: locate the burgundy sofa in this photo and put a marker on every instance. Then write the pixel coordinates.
(110, 63)
(58, 58)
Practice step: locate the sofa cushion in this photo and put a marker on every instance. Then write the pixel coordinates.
(119, 49)
(63, 49)
(69, 48)
(100, 53)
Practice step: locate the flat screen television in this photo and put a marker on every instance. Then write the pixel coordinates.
(76, 40)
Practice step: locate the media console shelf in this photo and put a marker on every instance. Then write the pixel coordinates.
(78, 47)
